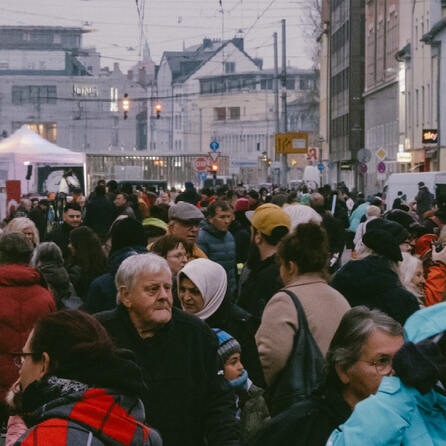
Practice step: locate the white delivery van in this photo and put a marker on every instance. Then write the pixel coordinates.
(408, 184)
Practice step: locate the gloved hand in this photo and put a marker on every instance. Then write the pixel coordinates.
(420, 365)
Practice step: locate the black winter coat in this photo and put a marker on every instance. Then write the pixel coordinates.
(307, 423)
(99, 215)
(259, 287)
(373, 283)
(61, 237)
(189, 402)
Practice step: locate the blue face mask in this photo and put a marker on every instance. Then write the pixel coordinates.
(241, 382)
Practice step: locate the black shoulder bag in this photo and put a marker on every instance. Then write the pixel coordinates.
(303, 371)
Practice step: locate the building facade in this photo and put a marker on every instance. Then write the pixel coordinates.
(419, 82)
(346, 101)
(381, 92)
(56, 87)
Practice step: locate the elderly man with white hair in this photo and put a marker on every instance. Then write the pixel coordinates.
(187, 401)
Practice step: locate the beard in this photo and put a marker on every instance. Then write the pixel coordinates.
(14, 398)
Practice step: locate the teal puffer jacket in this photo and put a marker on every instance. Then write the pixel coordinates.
(399, 415)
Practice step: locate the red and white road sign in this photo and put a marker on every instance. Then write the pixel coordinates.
(200, 163)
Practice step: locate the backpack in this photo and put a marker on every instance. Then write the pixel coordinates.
(303, 371)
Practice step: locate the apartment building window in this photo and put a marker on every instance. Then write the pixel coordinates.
(266, 84)
(290, 84)
(33, 94)
(234, 113)
(220, 113)
(47, 130)
(229, 67)
(115, 132)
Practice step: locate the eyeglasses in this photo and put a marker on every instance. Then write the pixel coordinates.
(19, 358)
(383, 366)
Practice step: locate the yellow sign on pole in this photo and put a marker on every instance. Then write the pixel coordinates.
(292, 142)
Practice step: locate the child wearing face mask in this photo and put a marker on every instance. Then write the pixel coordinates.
(252, 411)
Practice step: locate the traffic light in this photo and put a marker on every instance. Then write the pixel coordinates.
(158, 109)
(126, 105)
(214, 168)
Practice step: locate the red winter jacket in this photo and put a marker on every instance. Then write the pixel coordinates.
(23, 301)
(95, 417)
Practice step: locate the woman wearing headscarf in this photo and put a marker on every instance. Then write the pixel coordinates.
(202, 286)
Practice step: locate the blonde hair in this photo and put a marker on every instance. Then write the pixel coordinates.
(19, 224)
(407, 270)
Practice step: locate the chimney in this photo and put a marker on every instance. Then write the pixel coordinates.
(130, 75)
(207, 43)
(238, 42)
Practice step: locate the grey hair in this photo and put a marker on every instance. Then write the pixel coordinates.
(138, 264)
(46, 252)
(355, 328)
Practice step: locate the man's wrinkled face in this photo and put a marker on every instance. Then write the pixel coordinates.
(72, 218)
(187, 229)
(149, 300)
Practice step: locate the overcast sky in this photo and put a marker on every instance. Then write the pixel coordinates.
(169, 23)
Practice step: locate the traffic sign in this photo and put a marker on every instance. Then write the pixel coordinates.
(381, 167)
(200, 164)
(381, 154)
(214, 145)
(214, 155)
(291, 142)
(363, 167)
(201, 176)
(364, 155)
(321, 167)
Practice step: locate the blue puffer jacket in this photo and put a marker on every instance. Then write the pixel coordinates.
(220, 247)
(397, 414)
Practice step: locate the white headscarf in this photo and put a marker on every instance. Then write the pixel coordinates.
(210, 279)
(300, 213)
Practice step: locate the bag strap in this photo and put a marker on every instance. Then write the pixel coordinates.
(302, 319)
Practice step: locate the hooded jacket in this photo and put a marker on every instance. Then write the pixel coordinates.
(373, 283)
(74, 414)
(102, 292)
(219, 246)
(24, 300)
(399, 415)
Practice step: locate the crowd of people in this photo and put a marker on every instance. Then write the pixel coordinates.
(223, 318)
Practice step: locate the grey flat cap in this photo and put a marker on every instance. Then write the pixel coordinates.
(185, 211)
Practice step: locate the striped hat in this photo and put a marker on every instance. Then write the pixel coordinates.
(227, 345)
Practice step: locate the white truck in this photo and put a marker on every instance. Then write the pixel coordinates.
(408, 184)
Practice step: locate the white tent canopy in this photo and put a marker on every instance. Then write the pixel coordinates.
(28, 144)
(26, 148)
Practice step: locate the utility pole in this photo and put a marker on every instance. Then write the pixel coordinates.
(284, 106)
(276, 93)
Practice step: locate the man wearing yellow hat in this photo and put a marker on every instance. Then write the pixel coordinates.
(260, 279)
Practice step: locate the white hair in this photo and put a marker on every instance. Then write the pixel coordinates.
(300, 213)
(407, 269)
(138, 264)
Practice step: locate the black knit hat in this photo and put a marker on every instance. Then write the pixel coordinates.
(384, 237)
(127, 232)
